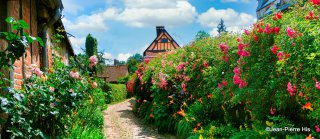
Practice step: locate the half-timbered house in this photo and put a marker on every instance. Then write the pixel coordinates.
(161, 44)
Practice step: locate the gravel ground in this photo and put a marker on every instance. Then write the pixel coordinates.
(120, 123)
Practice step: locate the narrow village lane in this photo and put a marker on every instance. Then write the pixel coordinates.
(120, 123)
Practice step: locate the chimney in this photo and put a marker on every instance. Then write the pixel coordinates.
(159, 30)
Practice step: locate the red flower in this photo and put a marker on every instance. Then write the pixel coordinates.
(219, 85)
(277, 16)
(200, 100)
(205, 64)
(315, 2)
(184, 87)
(280, 56)
(236, 70)
(236, 79)
(267, 29)
(151, 115)
(238, 39)
(317, 85)
(256, 38)
(260, 30)
(272, 111)
(224, 83)
(147, 60)
(274, 49)
(276, 30)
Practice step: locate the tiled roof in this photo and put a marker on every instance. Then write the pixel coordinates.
(112, 73)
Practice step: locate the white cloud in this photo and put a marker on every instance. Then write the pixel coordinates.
(77, 43)
(72, 7)
(233, 20)
(107, 55)
(123, 57)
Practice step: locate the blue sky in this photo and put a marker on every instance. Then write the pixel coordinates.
(126, 27)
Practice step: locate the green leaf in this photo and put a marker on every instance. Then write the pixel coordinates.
(10, 20)
(23, 24)
(40, 41)
(311, 56)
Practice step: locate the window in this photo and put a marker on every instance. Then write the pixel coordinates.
(164, 40)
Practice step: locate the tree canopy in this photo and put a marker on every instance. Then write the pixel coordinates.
(221, 27)
(91, 45)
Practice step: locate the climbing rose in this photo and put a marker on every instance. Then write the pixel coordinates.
(93, 59)
(243, 53)
(277, 16)
(291, 89)
(315, 2)
(184, 87)
(180, 67)
(267, 29)
(74, 74)
(290, 32)
(276, 30)
(147, 60)
(224, 83)
(236, 70)
(238, 39)
(224, 48)
(38, 72)
(236, 79)
(274, 49)
(247, 32)
(51, 89)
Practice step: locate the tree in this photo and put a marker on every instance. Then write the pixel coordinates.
(201, 35)
(133, 62)
(221, 27)
(91, 45)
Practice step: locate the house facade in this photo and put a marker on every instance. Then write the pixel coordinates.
(266, 6)
(44, 20)
(161, 44)
(113, 73)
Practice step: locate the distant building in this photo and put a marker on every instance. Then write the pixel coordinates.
(161, 44)
(266, 6)
(113, 73)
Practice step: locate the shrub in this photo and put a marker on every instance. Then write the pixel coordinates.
(119, 92)
(237, 85)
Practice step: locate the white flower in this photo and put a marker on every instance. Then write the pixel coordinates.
(24, 41)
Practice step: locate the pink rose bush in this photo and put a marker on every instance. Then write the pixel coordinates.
(261, 78)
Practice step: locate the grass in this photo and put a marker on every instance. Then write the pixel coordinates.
(119, 93)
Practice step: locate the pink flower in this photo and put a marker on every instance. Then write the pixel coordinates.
(267, 29)
(280, 56)
(274, 49)
(94, 85)
(147, 60)
(247, 32)
(317, 128)
(187, 79)
(236, 79)
(243, 84)
(317, 85)
(93, 60)
(315, 2)
(205, 64)
(163, 83)
(224, 48)
(272, 111)
(219, 85)
(184, 87)
(52, 104)
(74, 74)
(236, 70)
(243, 53)
(51, 89)
(38, 72)
(180, 67)
(290, 32)
(291, 89)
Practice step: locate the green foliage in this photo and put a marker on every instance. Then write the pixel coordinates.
(91, 45)
(237, 85)
(17, 42)
(201, 35)
(133, 62)
(119, 92)
(123, 80)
